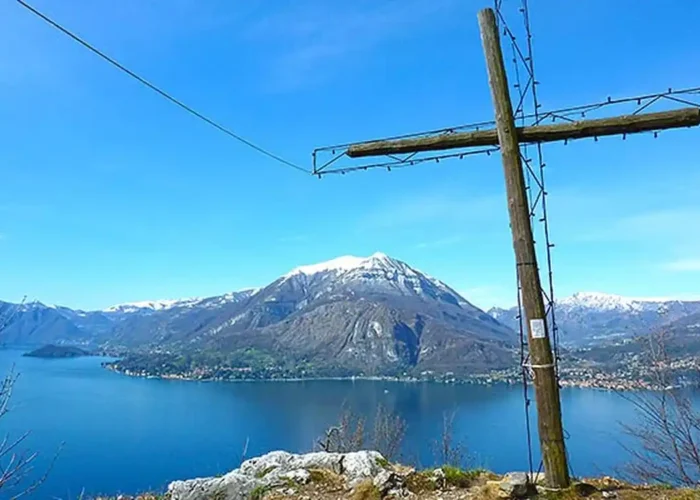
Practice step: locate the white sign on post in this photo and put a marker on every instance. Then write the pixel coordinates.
(537, 328)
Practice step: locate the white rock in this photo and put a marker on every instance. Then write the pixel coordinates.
(232, 486)
(514, 484)
(438, 477)
(386, 481)
(274, 469)
(299, 476)
(360, 465)
(399, 493)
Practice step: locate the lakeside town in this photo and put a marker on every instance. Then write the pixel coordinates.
(635, 373)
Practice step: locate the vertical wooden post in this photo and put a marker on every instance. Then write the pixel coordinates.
(546, 388)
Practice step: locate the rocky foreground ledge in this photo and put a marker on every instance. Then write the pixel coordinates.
(366, 475)
(362, 475)
(284, 473)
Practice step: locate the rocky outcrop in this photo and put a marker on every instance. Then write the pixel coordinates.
(279, 469)
(367, 475)
(280, 475)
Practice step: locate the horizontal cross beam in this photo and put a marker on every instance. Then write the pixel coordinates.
(626, 124)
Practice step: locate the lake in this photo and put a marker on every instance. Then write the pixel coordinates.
(127, 435)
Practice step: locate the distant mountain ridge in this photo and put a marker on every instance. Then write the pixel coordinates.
(591, 317)
(160, 305)
(35, 323)
(372, 315)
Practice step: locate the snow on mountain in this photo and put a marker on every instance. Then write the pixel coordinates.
(378, 271)
(364, 314)
(348, 263)
(588, 317)
(161, 305)
(609, 302)
(152, 305)
(227, 298)
(339, 264)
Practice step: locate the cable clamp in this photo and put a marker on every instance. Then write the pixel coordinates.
(548, 365)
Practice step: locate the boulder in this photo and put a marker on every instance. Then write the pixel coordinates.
(387, 481)
(277, 469)
(361, 465)
(438, 478)
(232, 486)
(514, 485)
(537, 478)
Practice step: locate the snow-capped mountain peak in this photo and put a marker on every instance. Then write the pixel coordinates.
(378, 273)
(610, 302)
(347, 263)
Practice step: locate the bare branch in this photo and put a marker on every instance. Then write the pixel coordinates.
(16, 466)
(445, 450)
(351, 434)
(667, 434)
(34, 485)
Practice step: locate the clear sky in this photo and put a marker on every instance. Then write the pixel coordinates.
(110, 194)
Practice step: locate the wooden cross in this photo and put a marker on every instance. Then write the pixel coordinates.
(509, 138)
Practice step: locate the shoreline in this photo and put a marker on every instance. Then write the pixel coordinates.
(353, 378)
(619, 386)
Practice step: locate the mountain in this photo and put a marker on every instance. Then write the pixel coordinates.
(590, 317)
(37, 324)
(353, 314)
(125, 325)
(365, 314)
(160, 323)
(689, 325)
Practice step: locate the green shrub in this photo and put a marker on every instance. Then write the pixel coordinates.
(258, 492)
(458, 477)
(264, 472)
(383, 462)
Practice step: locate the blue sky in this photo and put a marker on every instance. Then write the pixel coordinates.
(111, 194)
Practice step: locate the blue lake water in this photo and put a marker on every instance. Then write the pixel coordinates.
(124, 435)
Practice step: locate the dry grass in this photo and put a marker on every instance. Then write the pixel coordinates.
(327, 478)
(420, 482)
(658, 494)
(488, 491)
(366, 490)
(625, 492)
